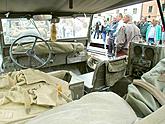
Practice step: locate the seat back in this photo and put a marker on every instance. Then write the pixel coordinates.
(98, 80)
(115, 70)
(106, 73)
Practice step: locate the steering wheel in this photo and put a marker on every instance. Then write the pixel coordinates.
(29, 50)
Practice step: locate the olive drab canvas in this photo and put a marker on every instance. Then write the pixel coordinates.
(82, 61)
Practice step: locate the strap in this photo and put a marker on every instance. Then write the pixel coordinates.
(59, 90)
(159, 96)
(27, 101)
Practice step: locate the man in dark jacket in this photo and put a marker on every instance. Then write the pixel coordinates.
(96, 31)
(111, 39)
(143, 27)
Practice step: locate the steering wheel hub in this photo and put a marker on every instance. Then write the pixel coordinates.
(30, 52)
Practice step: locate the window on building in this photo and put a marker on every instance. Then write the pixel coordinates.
(134, 10)
(163, 6)
(125, 11)
(150, 9)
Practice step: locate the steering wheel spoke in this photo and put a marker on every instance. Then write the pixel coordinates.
(18, 53)
(30, 61)
(34, 43)
(38, 59)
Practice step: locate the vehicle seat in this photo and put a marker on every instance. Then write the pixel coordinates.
(115, 70)
(115, 76)
(62, 74)
(105, 75)
(76, 85)
(95, 81)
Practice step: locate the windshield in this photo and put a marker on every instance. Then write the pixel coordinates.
(72, 27)
(15, 28)
(66, 28)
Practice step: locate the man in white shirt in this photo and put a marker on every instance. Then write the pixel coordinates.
(153, 35)
(120, 23)
(126, 34)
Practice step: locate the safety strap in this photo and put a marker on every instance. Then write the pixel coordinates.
(159, 96)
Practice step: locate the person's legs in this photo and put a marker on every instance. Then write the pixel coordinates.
(144, 38)
(151, 41)
(111, 47)
(104, 39)
(163, 38)
(95, 34)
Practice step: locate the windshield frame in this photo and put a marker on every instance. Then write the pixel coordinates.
(61, 40)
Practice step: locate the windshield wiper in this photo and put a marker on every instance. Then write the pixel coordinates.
(33, 22)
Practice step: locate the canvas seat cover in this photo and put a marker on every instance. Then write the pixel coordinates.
(93, 108)
(115, 71)
(56, 47)
(148, 95)
(156, 117)
(26, 93)
(97, 108)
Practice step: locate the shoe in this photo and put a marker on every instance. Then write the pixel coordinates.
(110, 55)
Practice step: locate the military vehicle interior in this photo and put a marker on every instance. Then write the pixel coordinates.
(53, 38)
(10, 11)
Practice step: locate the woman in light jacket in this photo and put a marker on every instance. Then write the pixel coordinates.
(153, 34)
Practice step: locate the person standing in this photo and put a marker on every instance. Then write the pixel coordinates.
(163, 35)
(103, 30)
(125, 35)
(154, 33)
(143, 27)
(111, 39)
(96, 30)
(120, 23)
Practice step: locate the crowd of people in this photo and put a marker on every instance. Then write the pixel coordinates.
(122, 30)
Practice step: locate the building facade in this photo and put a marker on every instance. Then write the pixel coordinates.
(151, 11)
(134, 10)
(146, 9)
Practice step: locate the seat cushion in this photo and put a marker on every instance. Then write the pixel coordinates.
(62, 74)
(87, 78)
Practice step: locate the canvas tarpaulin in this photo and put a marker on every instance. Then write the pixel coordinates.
(98, 108)
(55, 47)
(93, 108)
(26, 93)
(147, 95)
(156, 117)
